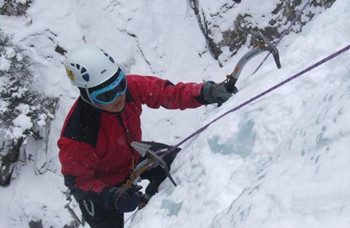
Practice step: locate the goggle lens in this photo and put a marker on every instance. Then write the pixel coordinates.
(109, 93)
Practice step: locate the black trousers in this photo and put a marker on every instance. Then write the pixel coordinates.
(106, 218)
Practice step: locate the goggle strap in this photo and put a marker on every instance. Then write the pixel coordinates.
(91, 101)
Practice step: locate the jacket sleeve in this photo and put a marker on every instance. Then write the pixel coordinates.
(156, 92)
(78, 164)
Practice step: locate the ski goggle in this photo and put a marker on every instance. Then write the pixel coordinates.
(110, 90)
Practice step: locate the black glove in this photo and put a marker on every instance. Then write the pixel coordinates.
(143, 201)
(215, 92)
(121, 199)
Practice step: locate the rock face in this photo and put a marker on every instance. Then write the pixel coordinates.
(226, 24)
(14, 8)
(24, 113)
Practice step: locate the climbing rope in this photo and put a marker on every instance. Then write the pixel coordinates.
(335, 54)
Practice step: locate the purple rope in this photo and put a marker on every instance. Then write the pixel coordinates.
(283, 34)
(256, 97)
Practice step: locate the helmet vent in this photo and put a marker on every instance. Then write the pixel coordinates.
(83, 70)
(111, 59)
(86, 77)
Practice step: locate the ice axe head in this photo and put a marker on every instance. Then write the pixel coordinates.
(261, 44)
(273, 50)
(267, 45)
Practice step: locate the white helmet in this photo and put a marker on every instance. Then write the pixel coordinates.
(89, 66)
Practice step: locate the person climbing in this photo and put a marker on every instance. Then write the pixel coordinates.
(95, 143)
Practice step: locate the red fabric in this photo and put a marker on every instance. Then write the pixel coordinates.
(109, 161)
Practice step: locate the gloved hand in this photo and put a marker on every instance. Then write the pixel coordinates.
(143, 201)
(121, 199)
(215, 92)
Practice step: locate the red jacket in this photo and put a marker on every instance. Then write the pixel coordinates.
(95, 149)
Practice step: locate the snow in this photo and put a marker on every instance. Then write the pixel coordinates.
(281, 161)
(5, 64)
(22, 123)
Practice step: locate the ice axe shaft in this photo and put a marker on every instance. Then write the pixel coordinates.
(262, 45)
(70, 210)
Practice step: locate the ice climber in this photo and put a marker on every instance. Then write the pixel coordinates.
(95, 142)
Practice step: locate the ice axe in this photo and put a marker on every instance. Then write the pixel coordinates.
(153, 159)
(262, 44)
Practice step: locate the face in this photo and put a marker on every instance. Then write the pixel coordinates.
(116, 106)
